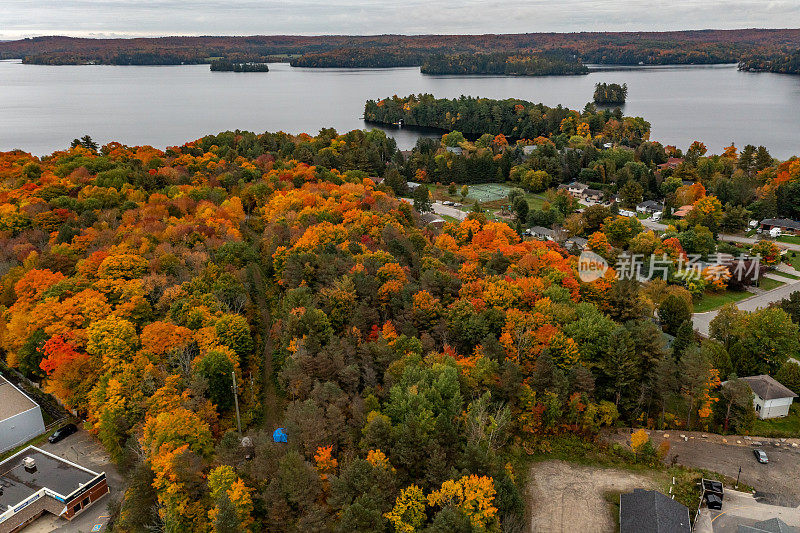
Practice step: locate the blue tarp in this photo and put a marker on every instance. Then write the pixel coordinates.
(279, 435)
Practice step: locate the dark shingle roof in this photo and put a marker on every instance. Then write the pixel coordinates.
(767, 388)
(773, 525)
(649, 511)
(781, 223)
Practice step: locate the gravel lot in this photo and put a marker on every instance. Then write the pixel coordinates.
(564, 497)
(775, 483)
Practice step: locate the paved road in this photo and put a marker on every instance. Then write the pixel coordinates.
(752, 240)
(441, 209)
(701, 321)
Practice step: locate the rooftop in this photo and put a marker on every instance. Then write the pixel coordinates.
(767, 388)
(773, 525)
(12, 400)
(649, 511)
(52, 472)
(781, 222)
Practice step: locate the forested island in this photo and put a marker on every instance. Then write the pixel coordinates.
(610, 93)
(512, 118)
(647, 48)
(503, 64)
(222, 65)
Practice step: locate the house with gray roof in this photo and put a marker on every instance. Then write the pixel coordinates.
(770, 398)
(649, 511)
(773, 525)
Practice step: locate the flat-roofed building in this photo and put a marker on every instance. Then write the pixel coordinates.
(20, 417)
(34, 482)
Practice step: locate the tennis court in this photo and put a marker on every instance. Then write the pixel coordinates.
(488, 192)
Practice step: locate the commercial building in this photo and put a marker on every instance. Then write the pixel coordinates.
(34, 482)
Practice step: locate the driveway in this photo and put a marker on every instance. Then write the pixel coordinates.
(702, 321)
(83, 449)
(740, 508)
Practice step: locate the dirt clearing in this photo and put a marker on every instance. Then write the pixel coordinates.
(565, 497)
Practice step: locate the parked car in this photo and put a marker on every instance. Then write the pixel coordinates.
(62, 433)
(761, 456)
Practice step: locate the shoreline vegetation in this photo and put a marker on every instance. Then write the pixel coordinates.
(504, 64)
(221, 65)
(753, 49)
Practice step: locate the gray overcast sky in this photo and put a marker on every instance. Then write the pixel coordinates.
(110, 18)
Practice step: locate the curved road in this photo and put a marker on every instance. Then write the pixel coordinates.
(701, 321)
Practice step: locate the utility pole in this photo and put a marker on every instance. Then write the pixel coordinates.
(236, 401)
(737, 477)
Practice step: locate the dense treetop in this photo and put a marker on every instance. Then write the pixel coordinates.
(413, 368)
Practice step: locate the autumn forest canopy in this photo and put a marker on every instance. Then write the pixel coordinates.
(414, 367)
(754, 49)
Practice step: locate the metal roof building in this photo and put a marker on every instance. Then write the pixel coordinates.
(20, 417)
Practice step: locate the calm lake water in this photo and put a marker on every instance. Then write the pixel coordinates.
(43, 108)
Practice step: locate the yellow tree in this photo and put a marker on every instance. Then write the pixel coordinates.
(408, 512)
(638, 440)
(233, 502)
(474, 496)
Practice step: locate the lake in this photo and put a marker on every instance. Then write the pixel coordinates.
(42, 108)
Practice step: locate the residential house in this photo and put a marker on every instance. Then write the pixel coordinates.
(544, 234)
(672, 163)
(648, 207)
(784, 224)
(649, 511)
(770, 398)
(682, 211)
(432, 219)
(454, 150)
(575, 188)
(576, 243)
(412, 185)
(773, 525)
(593, 195)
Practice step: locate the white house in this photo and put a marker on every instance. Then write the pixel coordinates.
(771, 399)
(20, 417)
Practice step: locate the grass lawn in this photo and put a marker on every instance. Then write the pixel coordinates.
(767, 284)
(793, 259)
(535, 201)
(786, 427)
(791, 239)
(715, 300)
(785, 274)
